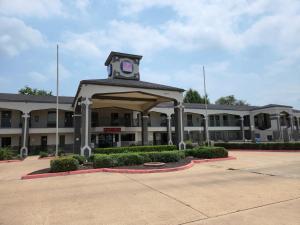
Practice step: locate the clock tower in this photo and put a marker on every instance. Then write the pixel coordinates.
(123, 66)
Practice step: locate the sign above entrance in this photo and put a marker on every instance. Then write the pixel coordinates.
(111, 129)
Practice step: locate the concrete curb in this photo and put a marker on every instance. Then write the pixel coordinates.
(131, 171)
(261, 150)
(10, 161)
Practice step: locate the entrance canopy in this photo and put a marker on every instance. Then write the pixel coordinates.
(128, 94)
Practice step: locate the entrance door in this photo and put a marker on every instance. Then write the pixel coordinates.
(105, 140)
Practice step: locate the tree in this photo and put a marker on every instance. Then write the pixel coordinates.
(34, 91)
(230, 100)
(192, 96)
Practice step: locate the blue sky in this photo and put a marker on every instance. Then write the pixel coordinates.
(249, 48)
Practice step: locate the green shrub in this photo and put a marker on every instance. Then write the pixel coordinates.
(43, 154)
(63, 164)
(154, 148)
(6, 154)
(135, 158)
(261, 146)
(81, 159)
(207, 152)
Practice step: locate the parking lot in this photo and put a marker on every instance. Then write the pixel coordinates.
(259, 188)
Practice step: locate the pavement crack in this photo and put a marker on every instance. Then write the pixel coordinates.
(243, 210)
(169, 196)
(255, 172)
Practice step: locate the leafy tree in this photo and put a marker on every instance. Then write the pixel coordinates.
(34, 91)
(192, 96)
(230, 100)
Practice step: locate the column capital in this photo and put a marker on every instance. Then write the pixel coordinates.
(25, 115)
(87, 101)
(169, 117)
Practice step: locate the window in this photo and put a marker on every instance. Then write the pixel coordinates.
(6, 119)
(62, 141)
(225, 120)
(51, 122)
(68, 119)
(163, 120)
(189, 120)
(5, 142)
(36, 119)
(95, 120)
(127, 120)
(211, 121)
(217, 117)
(114, 119)
(44, 141)
(127, 137)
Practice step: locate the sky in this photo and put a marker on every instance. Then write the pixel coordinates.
(250, 48)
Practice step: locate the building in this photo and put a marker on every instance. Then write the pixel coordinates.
(123, 110)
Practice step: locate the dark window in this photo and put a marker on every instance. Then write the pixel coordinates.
(189, 120)
(5, 142)
(114, 119)
(211, 121)
(247, 120)
(44, 141)
(36, 119)
(149, 120)
(127, 120)
(225, 120)
(127, 137)
(6, 119)
(217, 117)
(62, 141)
(163, 120)
(51, 121)
(68, 119)
(95, 119)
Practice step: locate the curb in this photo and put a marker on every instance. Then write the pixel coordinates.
(131, 171)
(10, 161)
(261, 150)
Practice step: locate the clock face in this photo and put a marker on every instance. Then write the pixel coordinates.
(109, 70)
(126, 67)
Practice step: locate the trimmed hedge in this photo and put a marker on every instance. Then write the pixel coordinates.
(6, 154)
(43, 154)
(81, 159)
(154, 148)
(63, 164)
(261, 146)
(135, 158)
(207, 152)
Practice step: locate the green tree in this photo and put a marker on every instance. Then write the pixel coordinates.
(34, 91)
(192, 96)
(230, 100)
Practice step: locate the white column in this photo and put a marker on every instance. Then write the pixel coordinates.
(242, 128)
(169, 119)
(24, 148)
(86, 124)
(181, 143)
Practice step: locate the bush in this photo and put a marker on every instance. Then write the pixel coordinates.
(63, 164)
(261, 146)
(6, 154)
(154, 148)
(81, 159)
(135, 158)
(207, 152)
(43, 154)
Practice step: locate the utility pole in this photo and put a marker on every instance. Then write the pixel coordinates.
(206, 114)
(57, 86)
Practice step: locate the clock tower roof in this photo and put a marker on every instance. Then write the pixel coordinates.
(121, 55)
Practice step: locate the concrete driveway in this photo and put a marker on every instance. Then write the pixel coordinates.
(255, 189)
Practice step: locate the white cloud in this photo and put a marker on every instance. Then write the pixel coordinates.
(38, 77)
(16, 36)
(37, 8)
(82, 5)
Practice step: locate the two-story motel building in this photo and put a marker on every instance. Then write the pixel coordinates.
(123, 110)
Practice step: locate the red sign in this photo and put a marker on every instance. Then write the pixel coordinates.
(112, 129)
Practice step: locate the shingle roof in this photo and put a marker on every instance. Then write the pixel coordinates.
(131, 83)
(120, 54)
(6, 97)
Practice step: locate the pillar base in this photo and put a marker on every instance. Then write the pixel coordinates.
(86, 151)
(24, 152)
(181, 145)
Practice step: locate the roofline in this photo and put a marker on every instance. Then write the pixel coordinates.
(112, 84)
(126, 55)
